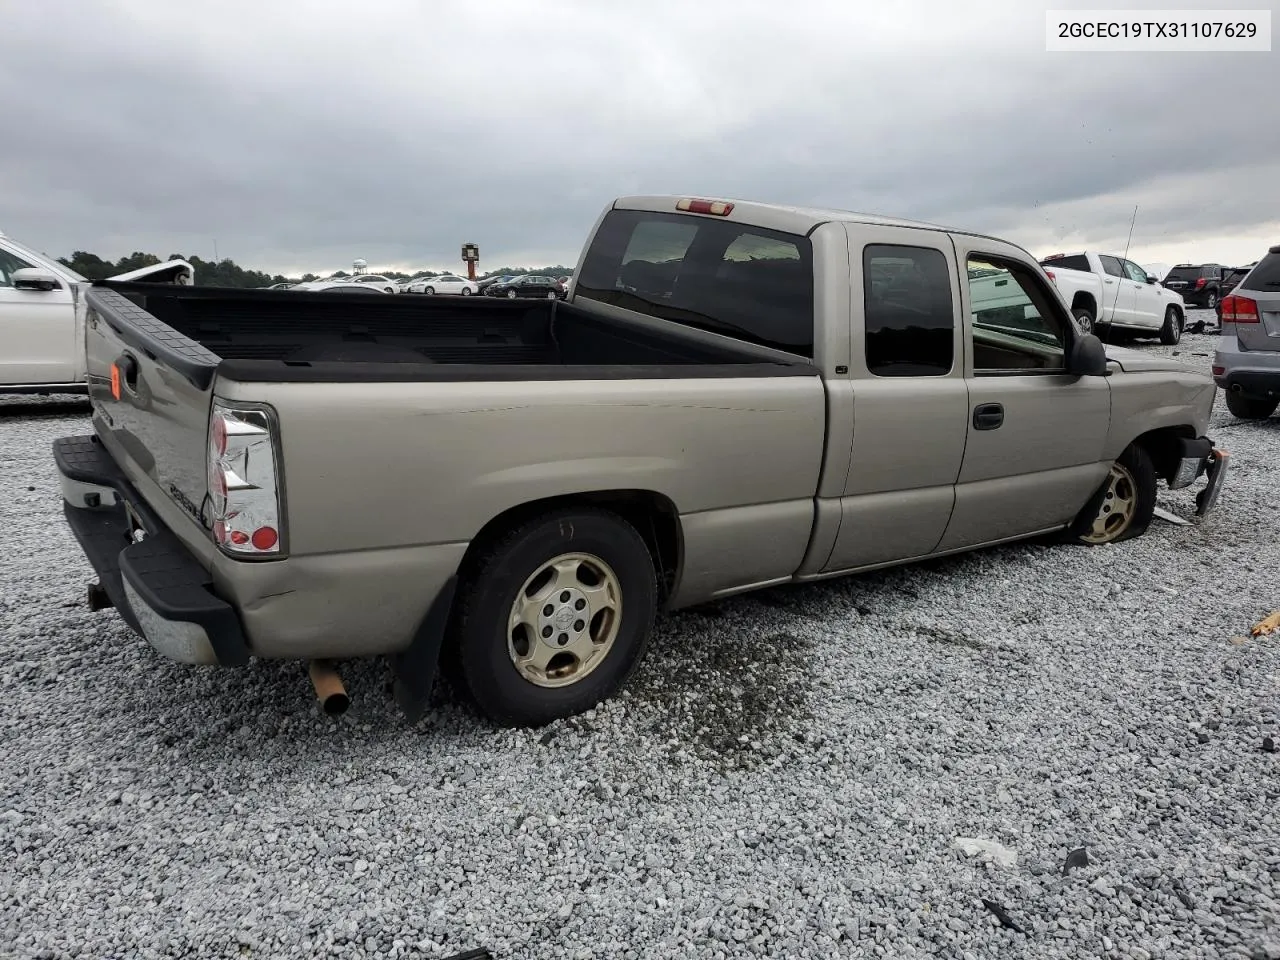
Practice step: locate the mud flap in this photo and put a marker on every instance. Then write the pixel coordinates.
(415, 669)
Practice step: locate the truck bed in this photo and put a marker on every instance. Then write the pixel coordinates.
(286, 336)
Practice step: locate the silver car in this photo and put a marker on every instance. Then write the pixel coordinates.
(1247, 363)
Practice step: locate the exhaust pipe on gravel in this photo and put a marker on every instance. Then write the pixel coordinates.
(329, 689)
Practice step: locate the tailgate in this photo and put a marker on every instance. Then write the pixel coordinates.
(151, 389)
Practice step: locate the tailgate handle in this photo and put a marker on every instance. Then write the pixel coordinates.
(124, 375)
(988, 416)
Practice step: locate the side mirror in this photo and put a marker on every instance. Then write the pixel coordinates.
(1151, 279)
(33, 278)
(1088, 357)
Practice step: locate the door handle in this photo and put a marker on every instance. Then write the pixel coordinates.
(988, 416)
(1108, 281)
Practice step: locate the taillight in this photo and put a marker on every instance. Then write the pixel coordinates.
(243, 480)
(1239, 310)
(717, 208)
(1200, 283)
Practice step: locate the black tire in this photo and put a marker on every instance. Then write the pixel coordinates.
(466, 291)
(511, 294)
(1211, 300)
(1171, 331)
(480, 632)
(1250, 408)
(1141, 473)
(1084, 319)
(429, 291)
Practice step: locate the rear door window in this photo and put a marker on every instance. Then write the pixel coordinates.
(743, 281)
(1112, 266)
(909, 311)
(1183, 273)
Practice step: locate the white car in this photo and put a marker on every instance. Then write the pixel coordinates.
(447, 284)
(42, 314)
(1108, 293)
(373, 281)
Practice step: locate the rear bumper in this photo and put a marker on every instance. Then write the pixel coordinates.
(1252, 372)
(159, 588)
(1255, 383)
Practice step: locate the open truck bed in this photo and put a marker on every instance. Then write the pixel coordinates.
(283, 336)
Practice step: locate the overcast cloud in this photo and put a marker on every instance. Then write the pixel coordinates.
(300, 134)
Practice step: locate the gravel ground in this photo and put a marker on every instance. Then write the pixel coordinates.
(787, 776)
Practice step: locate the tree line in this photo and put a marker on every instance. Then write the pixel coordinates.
(227, 273)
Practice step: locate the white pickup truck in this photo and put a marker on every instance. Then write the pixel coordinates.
(1110, 294)
(42, 310)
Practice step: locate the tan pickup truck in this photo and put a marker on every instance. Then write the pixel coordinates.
(733, 395)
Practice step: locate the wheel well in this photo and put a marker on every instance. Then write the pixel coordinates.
(1084, 301)
(1161, 446)
(652, 515)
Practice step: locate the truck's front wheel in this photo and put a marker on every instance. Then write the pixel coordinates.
(557, 616)
(1124, 505)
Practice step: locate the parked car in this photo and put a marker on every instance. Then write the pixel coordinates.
(373, 281)
(1247, 362)
(281, 286)
(1199, 285)
(488, 282)
(682, 428)
(526, 286)
(42, 313)
(1231, 279)
(447, 284)
(1113, 295)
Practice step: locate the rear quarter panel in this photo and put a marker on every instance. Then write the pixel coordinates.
(387, 465)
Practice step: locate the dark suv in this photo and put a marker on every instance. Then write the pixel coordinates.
(1199, 284)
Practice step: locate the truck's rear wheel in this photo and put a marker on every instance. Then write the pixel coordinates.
(1171, 331)
(557, 616)
(1250, 408)
(1084, 319)
(1124, 505)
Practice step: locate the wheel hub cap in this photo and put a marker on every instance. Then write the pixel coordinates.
(564, 620)
(1117, 508)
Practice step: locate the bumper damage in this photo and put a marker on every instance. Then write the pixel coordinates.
(144, 571)
(1199, 458)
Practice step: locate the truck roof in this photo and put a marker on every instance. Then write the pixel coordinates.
(778, 216)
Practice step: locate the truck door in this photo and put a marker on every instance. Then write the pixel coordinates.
(1035, 434)
(37, 329)
(910, 403)
(1119, 299)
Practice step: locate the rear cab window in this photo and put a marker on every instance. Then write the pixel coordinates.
(1067, 263)
(735, 279)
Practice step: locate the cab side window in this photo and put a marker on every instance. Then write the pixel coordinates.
(1015, 325)
(8, 264)
(1135, 272)
(909, 311)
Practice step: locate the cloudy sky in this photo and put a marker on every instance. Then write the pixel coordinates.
(300, 134)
